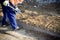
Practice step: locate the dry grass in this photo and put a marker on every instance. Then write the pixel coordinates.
(50, 23)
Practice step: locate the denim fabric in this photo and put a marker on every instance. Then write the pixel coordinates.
(8, 12)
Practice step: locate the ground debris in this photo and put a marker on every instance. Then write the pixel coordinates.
(50, 23)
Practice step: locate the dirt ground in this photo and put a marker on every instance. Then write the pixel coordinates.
(34, 20)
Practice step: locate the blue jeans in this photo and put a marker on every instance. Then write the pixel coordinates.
(8, 12)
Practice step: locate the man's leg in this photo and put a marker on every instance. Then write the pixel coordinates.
(4, 18)
(12, 18)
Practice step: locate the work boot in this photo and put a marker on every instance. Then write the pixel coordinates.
(7, 24)
(3, 26)
(18, 28)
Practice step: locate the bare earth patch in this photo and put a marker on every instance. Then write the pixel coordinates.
(50, 23)
(45, 22)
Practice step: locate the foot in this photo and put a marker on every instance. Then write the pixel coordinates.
(7, 24)
(18, 28)
(3, 25)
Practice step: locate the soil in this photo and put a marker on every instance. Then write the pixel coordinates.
(38, 25)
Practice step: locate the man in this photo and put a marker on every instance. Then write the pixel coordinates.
(10, 13)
